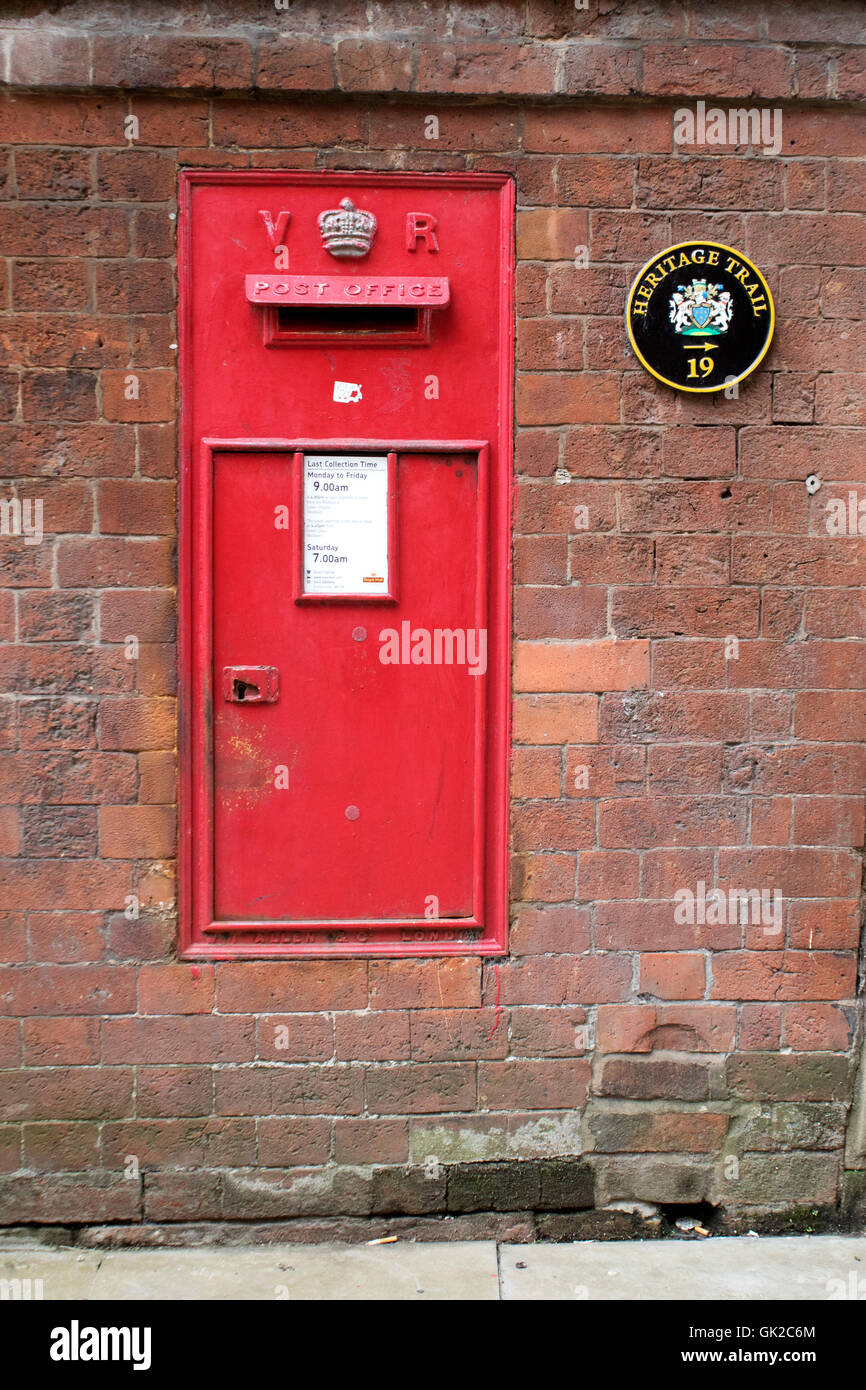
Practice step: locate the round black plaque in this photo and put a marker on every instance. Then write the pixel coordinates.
(700, 316)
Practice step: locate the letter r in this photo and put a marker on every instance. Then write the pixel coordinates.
(421, 226)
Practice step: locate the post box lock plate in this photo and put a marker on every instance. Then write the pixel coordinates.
(251, 685)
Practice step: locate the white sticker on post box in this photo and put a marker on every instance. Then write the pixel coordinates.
(346, 524)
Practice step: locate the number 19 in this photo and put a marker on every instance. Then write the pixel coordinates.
(706, 365)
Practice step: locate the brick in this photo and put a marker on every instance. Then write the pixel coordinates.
(546, 398)
(373, 65)
(491, 69)
(307, 1090)
(554, 719)
(67, 1093)
(550, 234)
(42, 448)
(286, 1142)
(295, 64)
(175, 1091)
(644, 1079)
(138, 832)
(66, 989)
(176, 989)
(61, 1041)
(66, 938)
(539, 1032)
(795, 1125)
(27, 229)
(94, 562)
(133, 175)
(49, 59)
(422, 1088)
(533, 1084)
(409, 984)
(553, 825)
(538, 931)
(250, 1194)
(546, 878)
(273, 987)
(54, 831)
(10, 837)
(633, 821)
(630, 1130)
(798, 1076)
(453, 1035)
(182, 1196)
(613, 129)
(197, 1039)
(296, 1038)
(32, 777)
(672, 975)
(677, 1027)
(607, 874)
(816, 1027)
(55, 617)
(136, 508)
(543, 611)
(93, 1198)
(58, 1146)
(371, 1141)
(542, 347)
(373, 1036)
(69, 395)
(136, 724)
(170, 61)
(760, 1027)
(179, 1143)
(568, 508)
(611, 69)
(79, 883)
(581, 666)
(298, 124)
(138, 396)
(54, 173)
(558, 980)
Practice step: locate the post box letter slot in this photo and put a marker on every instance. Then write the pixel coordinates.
(315, 310)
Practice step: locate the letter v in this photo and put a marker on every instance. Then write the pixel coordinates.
(276, 229)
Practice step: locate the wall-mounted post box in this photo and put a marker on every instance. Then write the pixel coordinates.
(346, 366)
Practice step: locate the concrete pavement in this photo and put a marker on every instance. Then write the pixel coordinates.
(721, 1268)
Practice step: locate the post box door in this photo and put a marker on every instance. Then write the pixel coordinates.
(351, 796)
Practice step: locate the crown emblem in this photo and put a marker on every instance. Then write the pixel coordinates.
(700, 308)
(347, 230)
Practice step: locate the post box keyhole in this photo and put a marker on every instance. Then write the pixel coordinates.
(241, 688)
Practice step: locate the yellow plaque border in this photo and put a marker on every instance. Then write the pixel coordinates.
(723, 385)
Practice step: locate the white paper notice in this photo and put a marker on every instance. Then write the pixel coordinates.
(345, 524)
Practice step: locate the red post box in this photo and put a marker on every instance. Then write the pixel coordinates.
(346, 367)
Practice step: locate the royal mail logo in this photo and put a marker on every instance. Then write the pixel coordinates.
(701, 308)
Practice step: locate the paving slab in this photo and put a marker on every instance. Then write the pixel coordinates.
(422, 1272)
(63, 1273)
(719, 1269)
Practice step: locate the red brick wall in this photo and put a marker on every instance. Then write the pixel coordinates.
(136, 1089)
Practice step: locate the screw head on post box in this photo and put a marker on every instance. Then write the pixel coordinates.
(347, 230)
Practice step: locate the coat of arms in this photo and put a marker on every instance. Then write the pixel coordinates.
(700, 308)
